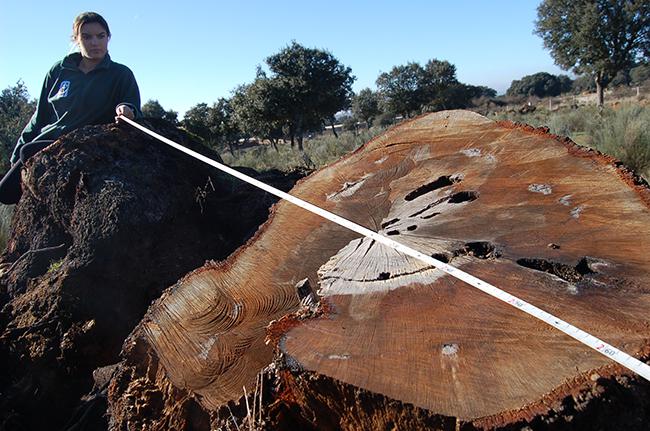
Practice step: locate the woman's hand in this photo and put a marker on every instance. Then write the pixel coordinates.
(125, 111)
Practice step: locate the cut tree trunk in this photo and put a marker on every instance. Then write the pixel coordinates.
(396, 344)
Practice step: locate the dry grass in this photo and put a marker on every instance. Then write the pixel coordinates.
(621, 130)
(625, 134)
(254, 419)
(319, 151)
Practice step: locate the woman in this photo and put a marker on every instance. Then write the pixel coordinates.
(84, 88)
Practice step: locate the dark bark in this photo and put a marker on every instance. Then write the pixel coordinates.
(600, 90)
(132, 216)
(299, 132)
(332, 122)
(292, 134)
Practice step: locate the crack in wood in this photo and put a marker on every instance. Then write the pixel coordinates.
(441, 182)
(456, 198)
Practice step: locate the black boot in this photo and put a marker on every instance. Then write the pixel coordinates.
(10, 188)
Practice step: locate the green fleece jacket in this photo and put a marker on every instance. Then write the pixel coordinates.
(71, 99)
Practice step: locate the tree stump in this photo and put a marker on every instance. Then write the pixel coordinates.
(395, 344)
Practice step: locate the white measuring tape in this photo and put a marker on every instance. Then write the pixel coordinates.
(587, 339)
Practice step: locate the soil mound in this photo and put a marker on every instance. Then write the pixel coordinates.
(109, 218)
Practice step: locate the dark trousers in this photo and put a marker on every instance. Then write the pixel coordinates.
(10, 188)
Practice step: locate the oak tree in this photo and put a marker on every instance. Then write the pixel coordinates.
(15, 111)
(314, 84)
(595, 37)
(153, 108)
(365, 106)
(541, 84)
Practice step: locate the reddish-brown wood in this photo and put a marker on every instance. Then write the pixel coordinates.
(555, 224)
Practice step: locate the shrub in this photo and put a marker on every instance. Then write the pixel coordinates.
(625, 134)
(319, 151)
(640, 74)
(55, 265)
(584, 83)
(571, 122)
(540, 84)
(385, 119)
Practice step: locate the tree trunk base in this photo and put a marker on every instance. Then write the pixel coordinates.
(397, 343)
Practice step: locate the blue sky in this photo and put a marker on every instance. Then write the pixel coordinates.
(187, 52)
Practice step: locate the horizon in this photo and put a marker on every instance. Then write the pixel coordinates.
(182, 56)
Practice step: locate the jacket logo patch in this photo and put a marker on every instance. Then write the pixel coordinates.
(63, 89)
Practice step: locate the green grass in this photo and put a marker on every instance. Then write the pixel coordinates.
(625, 134)
(55, 265)
(565, 122)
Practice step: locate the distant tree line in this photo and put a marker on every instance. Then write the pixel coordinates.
(540, 84)
(301, 93)
(411, 89)
(544, 84)
(305, 88)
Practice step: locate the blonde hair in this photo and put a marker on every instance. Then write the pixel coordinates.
(86, 18)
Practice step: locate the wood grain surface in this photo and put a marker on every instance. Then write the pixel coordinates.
(557, 225)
